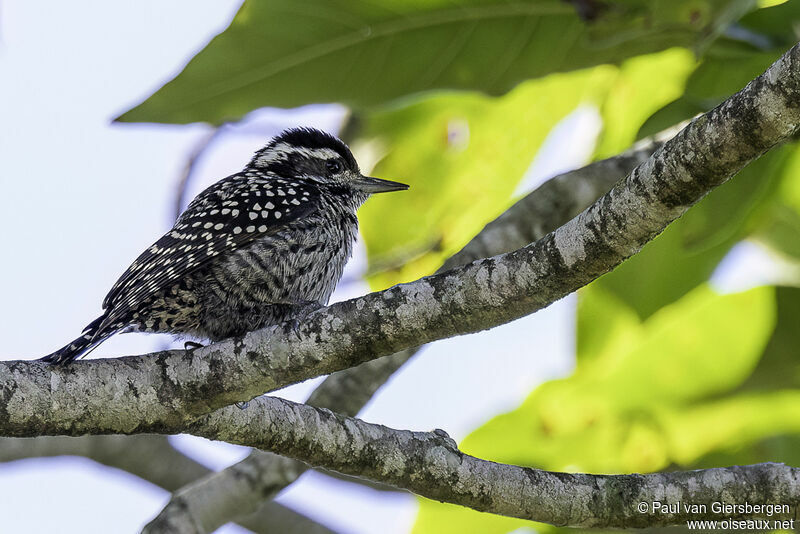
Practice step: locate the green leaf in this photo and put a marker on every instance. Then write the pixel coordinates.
(780, 365)
(605, 325)
(438, 518)
(463, 155)
(780, 231)
(730, 426)
(703, 345)
(285, 53)
(644, 85)
(779, 228)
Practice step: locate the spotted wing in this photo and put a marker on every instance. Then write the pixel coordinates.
(228, 215)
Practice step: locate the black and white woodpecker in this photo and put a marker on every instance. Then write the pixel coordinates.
(254, 249)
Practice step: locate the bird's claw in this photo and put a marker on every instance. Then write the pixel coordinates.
(304, 309)
(191, 346)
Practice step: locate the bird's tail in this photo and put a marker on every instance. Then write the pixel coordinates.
(88, 340)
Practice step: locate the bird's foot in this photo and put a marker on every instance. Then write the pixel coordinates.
(191, 346)
(242, 405)
(302, 310)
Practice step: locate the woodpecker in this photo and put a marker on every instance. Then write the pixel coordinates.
(255, 249)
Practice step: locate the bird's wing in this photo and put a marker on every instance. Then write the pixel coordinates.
(229, 215)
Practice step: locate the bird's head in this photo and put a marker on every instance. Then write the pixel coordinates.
(314, 156)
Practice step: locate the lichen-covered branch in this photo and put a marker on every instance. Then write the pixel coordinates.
(220, 497)
(243, 486)
(430, 464)
(164, 392)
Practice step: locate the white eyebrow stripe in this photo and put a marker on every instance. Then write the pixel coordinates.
(281, 152)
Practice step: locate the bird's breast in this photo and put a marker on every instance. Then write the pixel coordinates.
(302, 262)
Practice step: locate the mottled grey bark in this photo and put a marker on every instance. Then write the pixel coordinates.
(220, 497)
(151, 458)
(430, 464)
(164, 392)
(261, 475)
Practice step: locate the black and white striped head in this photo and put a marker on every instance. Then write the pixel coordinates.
(311, 155)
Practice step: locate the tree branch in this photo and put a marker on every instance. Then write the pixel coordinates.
(346, 392)
(430, 464)
(220, 497)
(164, 392)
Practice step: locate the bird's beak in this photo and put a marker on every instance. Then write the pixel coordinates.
(367, 184)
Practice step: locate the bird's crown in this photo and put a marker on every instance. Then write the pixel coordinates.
(299, 151)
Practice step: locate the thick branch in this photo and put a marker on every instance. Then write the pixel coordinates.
(430, 464)
(165, 391)
(220, 497)
(346, 392)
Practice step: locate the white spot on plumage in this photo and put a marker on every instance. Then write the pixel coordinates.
(262, 228)
(269, 205)
(253, 215)
(277, 215)
(218, 226)
(251, 228)
(237, 230)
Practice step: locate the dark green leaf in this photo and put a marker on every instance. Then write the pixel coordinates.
(285, 53)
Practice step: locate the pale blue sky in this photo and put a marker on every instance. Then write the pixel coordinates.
(82, 198)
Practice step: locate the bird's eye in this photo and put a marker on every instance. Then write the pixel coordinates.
(334, 166)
